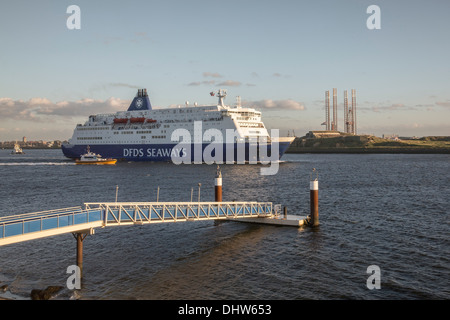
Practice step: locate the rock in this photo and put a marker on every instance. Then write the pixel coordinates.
(45, 294)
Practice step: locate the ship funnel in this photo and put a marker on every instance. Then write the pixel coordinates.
(141, 101)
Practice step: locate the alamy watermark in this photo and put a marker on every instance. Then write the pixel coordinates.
(260, 150)
(374, 280)
(74, 20)
(374, 21)
(74, 280)
(238, 149)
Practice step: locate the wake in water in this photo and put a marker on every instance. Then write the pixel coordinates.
(293, 161)
(37, 164)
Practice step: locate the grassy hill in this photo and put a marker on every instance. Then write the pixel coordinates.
(346, 143)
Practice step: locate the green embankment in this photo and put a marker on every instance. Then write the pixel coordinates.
(369, 144)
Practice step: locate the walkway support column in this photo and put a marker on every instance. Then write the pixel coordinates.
(80, 236)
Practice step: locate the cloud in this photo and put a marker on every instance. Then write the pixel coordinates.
(230, 83)
(279, 75)
(39, 101)
(269, 104)
(199, 83)
(107, 86)
(443, 103)
(227, 83)
(394, 106)
(124, 85)
(38, 109)
(384, 107)
(213, 75)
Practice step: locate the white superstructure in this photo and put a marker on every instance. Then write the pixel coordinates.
(156, 126)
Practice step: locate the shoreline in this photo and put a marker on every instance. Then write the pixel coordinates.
(404, 150)
(337, 142)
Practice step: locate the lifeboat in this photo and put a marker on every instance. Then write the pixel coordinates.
(151, 121)
(136, 120)
(120, 120)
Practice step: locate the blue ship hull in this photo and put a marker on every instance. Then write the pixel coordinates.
(165, 152)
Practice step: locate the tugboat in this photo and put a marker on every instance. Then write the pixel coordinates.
(17, 149)
(94, 158)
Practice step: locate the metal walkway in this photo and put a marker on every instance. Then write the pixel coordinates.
(24, 227)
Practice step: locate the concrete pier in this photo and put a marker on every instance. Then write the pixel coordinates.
(289, 221)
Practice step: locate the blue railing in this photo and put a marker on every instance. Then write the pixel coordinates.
(46, 220)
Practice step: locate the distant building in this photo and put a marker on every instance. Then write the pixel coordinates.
(24, 139)
(391, 137)
(322, 134)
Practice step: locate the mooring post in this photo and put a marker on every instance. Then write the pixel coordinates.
(218, 186)
(314, 199)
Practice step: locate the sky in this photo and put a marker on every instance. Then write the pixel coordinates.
(278, 56)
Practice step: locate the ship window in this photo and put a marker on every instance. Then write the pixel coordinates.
(89, 138)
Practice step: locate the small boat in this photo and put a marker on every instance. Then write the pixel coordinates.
(94, 158)
(17, 149)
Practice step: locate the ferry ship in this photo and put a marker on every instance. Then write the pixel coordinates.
(145, 134)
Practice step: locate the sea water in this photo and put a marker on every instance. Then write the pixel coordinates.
(387, 210)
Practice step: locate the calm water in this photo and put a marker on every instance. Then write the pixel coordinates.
(386, 210)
